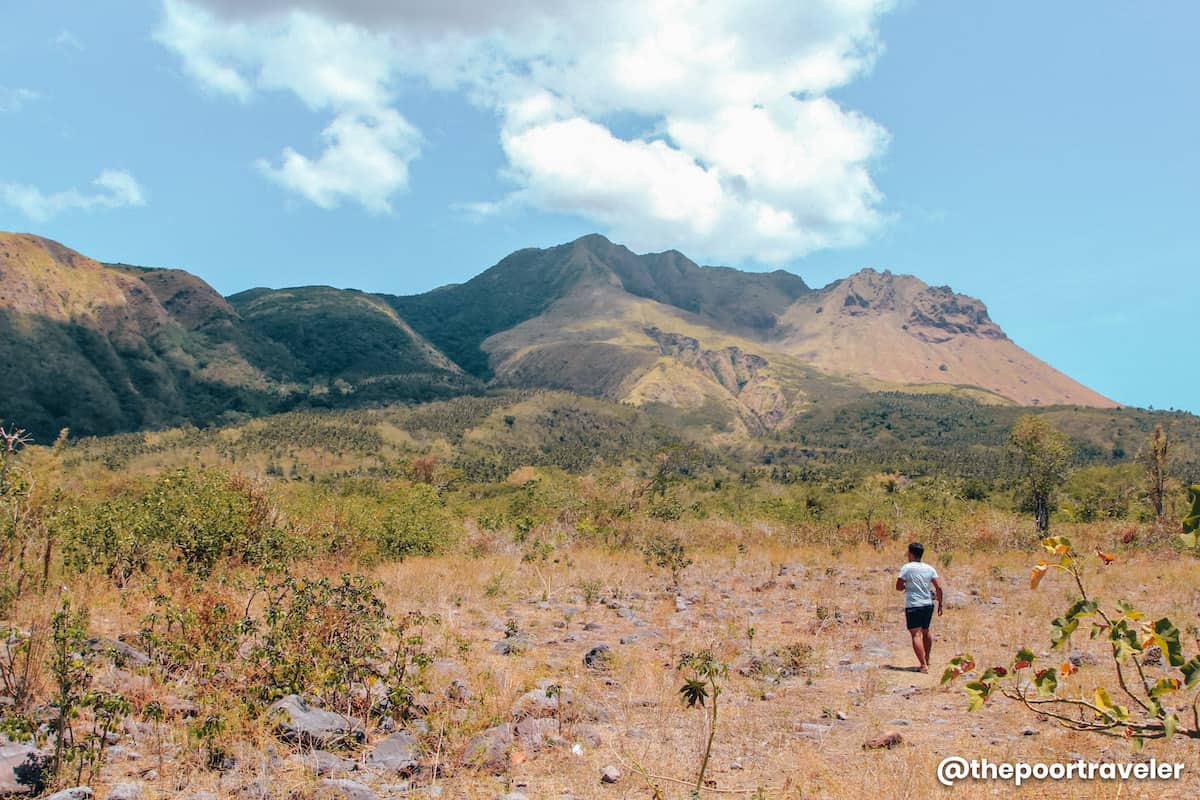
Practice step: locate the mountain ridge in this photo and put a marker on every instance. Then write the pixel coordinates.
(735, 353)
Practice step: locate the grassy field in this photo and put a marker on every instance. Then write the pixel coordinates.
(442, 573)
(819, 664)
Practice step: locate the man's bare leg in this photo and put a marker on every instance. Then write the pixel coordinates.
(928, 637)
(918, 643)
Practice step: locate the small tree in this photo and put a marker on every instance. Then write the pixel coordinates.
(1154, 458)
(667, 552)
(1140, 707)
(1044, 455)
(704, 676)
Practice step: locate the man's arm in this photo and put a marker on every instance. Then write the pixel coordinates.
(937, 589)
(899, 584)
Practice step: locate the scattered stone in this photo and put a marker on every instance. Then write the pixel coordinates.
(300, 723)
(120, 652)
(345, 789)
(1029, 730)
(78, 793)
(127, 791)
(1079, 658)
(591, 735)
(537, 732)
(1153, 656)
(541, 703)
(489, 749)
(179, 707)
(680, 603)
(900, 722)
(610, 774)
(630, 639)
(598, 658)
(958, 600)
(888, 741)
(397, 753)
(513, 796)
(325, 763)
(20, 768)
(513, 645)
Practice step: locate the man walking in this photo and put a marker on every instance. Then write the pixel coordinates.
(919, 582)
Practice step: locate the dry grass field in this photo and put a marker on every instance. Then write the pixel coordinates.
(819, 663)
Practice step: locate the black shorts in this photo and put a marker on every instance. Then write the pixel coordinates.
(918, 617)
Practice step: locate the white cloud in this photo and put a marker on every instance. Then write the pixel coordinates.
(330, 67)
(12, 100)
(365, 158)
(746, 156)
(115, 189)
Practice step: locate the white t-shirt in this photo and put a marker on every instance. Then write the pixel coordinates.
(918, 580)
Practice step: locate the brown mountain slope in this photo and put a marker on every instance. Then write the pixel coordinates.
(725, 353)
(872, 331)
(102, 348)
(898, 330)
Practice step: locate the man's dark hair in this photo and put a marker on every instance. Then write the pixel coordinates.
(916, 550)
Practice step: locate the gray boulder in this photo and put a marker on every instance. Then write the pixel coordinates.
(127, 791)
(298, 722)
(78, 793)
(598, 658)
(397, 753)
(489, 749)
(20, 769)
(120, 652)
(343, 789)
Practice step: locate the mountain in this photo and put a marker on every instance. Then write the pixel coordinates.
(102, 348)
(721, 353)
(732, 352)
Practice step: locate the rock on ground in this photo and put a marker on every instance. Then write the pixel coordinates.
(489, 749)
(342, 789)
(397, 753)
(78, 793)
(127, 791)
(301, 723)
(887, 741)
(20, 768)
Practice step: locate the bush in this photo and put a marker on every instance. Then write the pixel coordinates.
(197, 517)
(417, 525)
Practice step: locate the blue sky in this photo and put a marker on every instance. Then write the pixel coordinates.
(1040, 156)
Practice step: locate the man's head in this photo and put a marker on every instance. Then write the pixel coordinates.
(916, 550)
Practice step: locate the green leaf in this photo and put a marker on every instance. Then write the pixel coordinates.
(1128, 611)
(694, 693)
(1165, 686)
(959, 665)
(1046, 682)
(1166, 636)
(1025, 658)
(1064, 626)
(1105, 704)
(1125, 644)
(978, 692)
(1170, 725)
(1191, 523)
(1191, 672)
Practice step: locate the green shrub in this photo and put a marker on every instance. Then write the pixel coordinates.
(418, 524)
